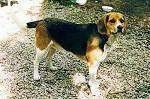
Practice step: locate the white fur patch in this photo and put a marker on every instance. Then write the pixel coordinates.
(94, 85)
(117, 24)
(36, 75)
(40, 54)
(93, 70)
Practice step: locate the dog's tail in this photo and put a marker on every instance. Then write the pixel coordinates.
(33, 24)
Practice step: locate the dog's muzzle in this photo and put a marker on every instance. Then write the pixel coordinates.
(119, 28)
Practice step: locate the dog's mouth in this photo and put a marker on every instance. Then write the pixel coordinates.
(118, 31)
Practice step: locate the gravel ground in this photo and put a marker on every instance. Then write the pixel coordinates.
(125, 74)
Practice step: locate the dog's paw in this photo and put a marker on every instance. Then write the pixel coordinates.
(94, 87)
(95, 92)
(36, 76)
(97, 97)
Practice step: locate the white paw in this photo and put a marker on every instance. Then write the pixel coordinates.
(94, 87)
(36, 76)
(98, 97)
(95, 91)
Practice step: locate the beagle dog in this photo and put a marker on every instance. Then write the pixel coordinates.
(88, 41)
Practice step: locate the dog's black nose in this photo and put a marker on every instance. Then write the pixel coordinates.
(120, 27)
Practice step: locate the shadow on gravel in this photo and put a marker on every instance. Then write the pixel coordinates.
(136, 7)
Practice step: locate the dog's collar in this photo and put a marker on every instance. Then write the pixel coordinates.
(104, 35)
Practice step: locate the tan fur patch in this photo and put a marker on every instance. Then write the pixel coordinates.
(92, 43)
(93, 51)
(41, 37)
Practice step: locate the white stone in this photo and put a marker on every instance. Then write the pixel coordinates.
(107, 8)
(81, 2)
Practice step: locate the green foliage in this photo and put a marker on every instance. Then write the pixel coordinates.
(144, 90)
(67, 3)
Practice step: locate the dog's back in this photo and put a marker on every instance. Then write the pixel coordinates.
(72, 37)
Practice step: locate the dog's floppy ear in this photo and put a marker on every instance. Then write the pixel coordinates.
(125, 22)
(102, 23)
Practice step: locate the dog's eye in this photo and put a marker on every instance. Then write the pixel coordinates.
(122, 20)
(112, 21)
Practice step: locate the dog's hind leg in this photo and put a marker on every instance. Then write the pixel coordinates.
(49, 58)
(43, 43)
(40, 55)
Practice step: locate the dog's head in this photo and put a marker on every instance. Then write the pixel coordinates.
(112, 23)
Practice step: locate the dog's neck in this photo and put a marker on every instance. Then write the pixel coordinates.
(104, 35)
(102, 30)
(107, 37)
(103, 40)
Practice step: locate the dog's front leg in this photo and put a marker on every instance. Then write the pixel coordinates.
(93, 82)
(94, 58)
